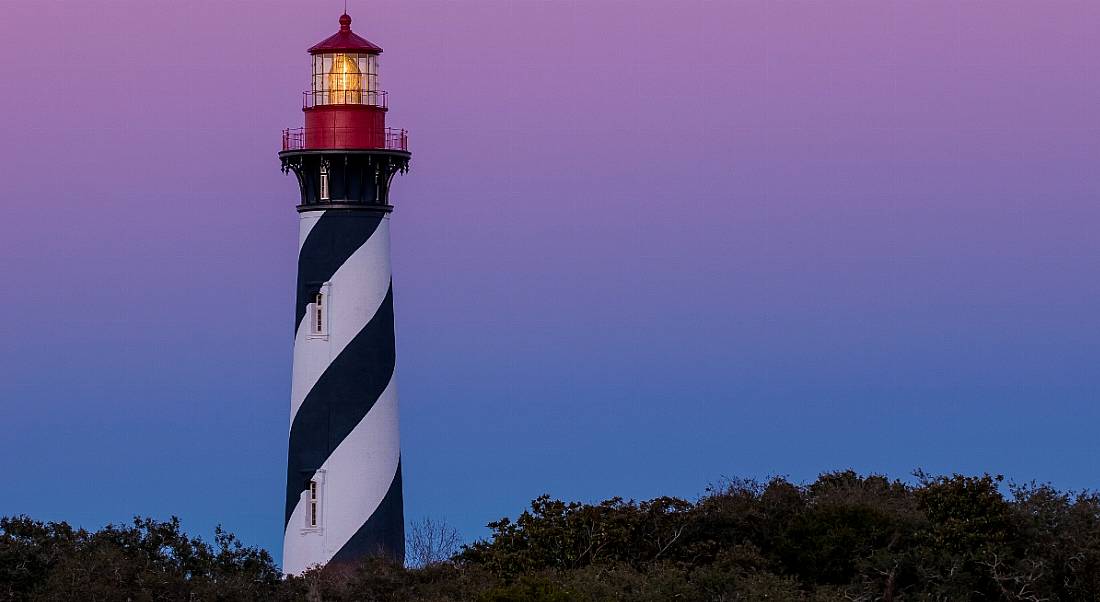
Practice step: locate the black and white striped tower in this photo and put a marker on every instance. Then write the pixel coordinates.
(343, 479)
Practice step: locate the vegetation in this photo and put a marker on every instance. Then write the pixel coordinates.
(843, 537)
(149, 560)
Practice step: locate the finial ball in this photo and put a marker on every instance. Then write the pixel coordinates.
(345, 21)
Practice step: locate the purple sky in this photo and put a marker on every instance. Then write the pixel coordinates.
(644, 245)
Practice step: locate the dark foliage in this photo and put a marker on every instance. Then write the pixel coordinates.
(843, 537)
(149, 560)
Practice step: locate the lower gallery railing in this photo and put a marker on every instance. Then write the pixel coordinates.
(303, 138)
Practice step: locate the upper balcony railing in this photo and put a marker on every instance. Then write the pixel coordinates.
(335, 138)
(369, 98)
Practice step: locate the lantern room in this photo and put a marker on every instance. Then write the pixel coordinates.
(345, 70)
(344, 107)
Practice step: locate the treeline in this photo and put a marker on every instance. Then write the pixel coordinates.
(842, 537)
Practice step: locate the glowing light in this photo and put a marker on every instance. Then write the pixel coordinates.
(345, 81)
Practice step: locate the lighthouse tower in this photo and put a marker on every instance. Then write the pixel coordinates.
(343, 478)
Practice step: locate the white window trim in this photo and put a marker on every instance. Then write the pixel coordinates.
(326, 314)
(323, 194)
(307, 523)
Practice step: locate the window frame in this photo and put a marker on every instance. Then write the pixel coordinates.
(324, 193)
(320, 314)
(314, 498)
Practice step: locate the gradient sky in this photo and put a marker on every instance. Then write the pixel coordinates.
(643, 246)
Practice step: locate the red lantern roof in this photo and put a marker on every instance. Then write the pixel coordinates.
(345, 41)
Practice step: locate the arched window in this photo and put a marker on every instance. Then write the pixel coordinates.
(324, 194)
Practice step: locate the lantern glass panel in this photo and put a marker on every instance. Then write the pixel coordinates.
(345, 78)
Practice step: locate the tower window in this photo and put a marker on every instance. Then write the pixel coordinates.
(313, 516)
(319, 313)
(324, 183)
(313, 499)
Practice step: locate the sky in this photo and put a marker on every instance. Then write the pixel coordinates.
(644, 246)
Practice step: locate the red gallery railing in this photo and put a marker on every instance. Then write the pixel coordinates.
(321, 138)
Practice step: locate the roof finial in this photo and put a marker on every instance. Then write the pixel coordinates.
(345, 22)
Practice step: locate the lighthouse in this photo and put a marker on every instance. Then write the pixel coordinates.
(343, 478)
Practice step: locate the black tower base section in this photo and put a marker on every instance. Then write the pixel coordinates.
(357, 179)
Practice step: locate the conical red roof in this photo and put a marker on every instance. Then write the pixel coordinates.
(345, 40)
